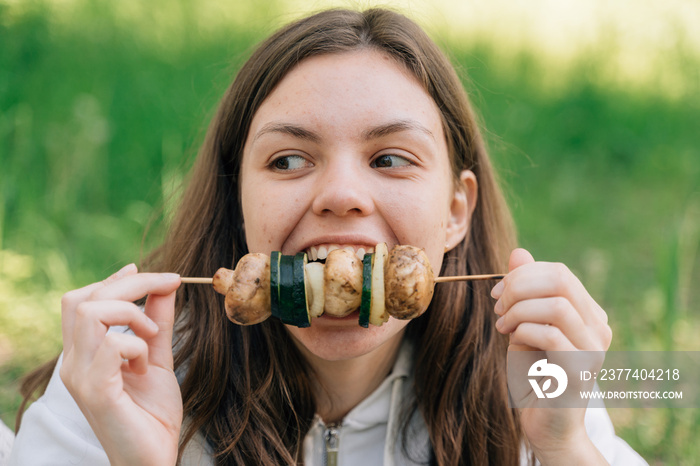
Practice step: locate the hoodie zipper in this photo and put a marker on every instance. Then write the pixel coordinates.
(331, 437)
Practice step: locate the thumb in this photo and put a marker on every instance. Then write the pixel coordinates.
(519, 257)
(161, 310)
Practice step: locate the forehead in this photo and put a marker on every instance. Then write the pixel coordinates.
(350, 88)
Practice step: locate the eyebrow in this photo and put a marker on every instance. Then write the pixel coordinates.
(369, 134)
(289, 129)
(396, 127)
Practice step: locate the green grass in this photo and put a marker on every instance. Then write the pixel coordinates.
(99, 119)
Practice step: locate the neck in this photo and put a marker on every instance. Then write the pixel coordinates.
(342, 385)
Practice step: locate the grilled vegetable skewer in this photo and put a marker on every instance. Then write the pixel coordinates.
(398, 284)
(455, 278)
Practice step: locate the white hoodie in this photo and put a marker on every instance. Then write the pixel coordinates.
(7, 437)
(55, 432)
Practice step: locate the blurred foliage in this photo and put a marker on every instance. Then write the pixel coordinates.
(103, 105)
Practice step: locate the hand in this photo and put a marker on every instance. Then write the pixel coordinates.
(545, 308)
(124, 384)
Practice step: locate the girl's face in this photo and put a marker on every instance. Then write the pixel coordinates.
(349, 150)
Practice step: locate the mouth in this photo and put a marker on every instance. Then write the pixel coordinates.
(319, 252)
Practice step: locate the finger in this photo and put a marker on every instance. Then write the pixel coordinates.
(547, 280)
(115, 348)
(135, 287)
(93, 319)
(518, 257)
(555, 311)
(542, 337)
(161, 310)
(72, 299)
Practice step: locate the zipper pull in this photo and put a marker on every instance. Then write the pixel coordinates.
(331, 437)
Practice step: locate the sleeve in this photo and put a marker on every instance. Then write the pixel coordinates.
(54, 431)
(197, 453)
(602, 433)
(7, 437)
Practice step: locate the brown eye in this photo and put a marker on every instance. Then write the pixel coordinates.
(281, 164)
(289, 162)
(389, 161)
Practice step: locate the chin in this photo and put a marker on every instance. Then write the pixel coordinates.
(333, 339)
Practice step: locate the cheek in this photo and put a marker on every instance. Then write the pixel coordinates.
(269, 214)
(262, 224)
(258, 217)
(420, 219)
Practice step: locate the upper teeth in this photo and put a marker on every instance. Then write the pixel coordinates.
(321, 252)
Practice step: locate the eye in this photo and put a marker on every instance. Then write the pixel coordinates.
(389, 161)
(289, 162)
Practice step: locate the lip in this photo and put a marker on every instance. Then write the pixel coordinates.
(352, 317)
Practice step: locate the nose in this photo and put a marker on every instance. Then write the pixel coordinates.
(342, 190)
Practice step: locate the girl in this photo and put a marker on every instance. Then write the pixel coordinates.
(343, 129)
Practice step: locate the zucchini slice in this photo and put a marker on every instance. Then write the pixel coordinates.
(377, 311)
(302, 317)
(286, 287)
(366, 290)
(274, 284)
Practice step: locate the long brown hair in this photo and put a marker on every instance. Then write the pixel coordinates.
(247, 389)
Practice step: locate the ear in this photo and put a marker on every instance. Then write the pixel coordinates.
(461, 209)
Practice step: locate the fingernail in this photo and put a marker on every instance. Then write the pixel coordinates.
(498, 308)
(499, 323)
(497, 290)
(153, 325)
(124, 271)
(171, 276)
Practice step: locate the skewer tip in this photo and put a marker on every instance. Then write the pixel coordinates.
(197, 280)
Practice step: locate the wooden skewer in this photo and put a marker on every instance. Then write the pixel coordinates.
(460, 278)
(456, 278)
(197, 280)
